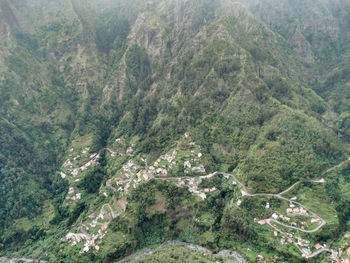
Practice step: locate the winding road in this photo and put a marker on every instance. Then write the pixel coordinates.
(245, 192)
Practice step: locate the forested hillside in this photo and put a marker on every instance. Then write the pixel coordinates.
(116, 115)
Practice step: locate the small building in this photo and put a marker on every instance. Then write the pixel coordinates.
(315, 220)
(275, 216)
(202, 195)
(303, 211)
(318, 246)
(104, 227)
(262, 222)
(296, 210)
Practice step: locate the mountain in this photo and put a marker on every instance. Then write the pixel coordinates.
(125, 124)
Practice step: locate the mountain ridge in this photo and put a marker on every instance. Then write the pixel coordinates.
(254, 85)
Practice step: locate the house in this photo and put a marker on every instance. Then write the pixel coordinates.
(296, 210)
(206, 190)
(289, 210)
(187, 164)
(262, 222)
(315, 220)
(75, 171)
(71, 190)
(275, 233)
(104, 227)
(275, 216)
(303, 211)
(260, 257)
(318, 246)
(202, 195)
(267, 205)
(239, 202)
(243, 193)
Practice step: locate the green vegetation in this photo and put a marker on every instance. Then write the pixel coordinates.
(259, 90)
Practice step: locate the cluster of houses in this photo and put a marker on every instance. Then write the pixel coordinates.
(132, 174)
(303, 243)
(101, 221)
(344, 253)
(277, 216)
(315, 220)
(193, 186)
(75, 171)
(297, 211)
(72, 195)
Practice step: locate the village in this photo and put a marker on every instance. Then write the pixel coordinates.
(132, 173)
(187, 158)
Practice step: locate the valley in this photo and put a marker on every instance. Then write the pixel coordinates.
(175, 131)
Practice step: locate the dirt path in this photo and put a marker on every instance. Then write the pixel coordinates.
(336, 166)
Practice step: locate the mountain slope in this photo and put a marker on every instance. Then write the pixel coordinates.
(88, 87)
